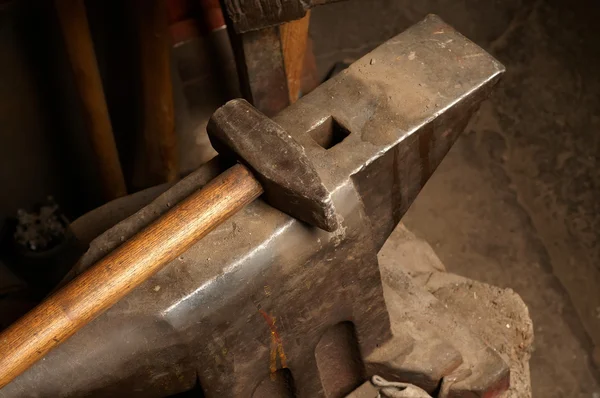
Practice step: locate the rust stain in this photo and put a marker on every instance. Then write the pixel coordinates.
(276, 345)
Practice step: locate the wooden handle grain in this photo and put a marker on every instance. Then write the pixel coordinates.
(110, 279)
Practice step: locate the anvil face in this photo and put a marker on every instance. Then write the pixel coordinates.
(258, 293)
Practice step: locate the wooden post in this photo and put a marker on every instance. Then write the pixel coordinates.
(80, 49)
(294, 37)
(110, 279)
(159, 157)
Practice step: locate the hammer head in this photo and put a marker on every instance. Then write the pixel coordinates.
(288, 177)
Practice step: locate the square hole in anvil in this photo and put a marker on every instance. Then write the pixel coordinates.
(329, 133)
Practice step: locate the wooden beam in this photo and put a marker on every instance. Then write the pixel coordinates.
(294, 36)
(160, 160)
(80, 49)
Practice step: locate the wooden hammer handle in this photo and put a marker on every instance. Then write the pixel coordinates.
(110, 279)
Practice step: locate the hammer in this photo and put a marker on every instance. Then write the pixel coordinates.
(272, 163)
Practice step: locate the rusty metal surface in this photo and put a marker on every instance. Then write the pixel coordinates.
(257, 294)
(248, 15)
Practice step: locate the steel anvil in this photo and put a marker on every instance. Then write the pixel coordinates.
(271, 305)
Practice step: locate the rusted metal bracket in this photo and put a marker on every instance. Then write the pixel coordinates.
(265, 299)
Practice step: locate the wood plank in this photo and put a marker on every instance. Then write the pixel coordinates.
(80, 49)
(294, 36)
(159, 159)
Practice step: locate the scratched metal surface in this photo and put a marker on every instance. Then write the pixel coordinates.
(212, 313)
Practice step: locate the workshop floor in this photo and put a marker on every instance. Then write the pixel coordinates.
(516, 203)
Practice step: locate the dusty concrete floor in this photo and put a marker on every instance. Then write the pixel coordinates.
(517, 201)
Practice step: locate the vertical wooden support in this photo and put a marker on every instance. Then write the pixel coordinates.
(160, 157)
(294, 36)
(80, 49)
